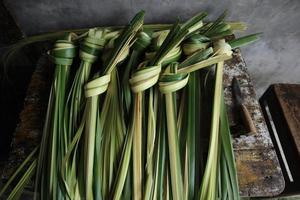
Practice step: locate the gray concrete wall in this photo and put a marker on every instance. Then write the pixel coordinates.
(275, 58)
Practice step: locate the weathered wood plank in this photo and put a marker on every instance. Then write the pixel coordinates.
(258, 167)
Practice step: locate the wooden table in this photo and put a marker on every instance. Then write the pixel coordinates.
(258, 168)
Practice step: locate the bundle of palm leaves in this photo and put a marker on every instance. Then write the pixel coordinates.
(142, 117)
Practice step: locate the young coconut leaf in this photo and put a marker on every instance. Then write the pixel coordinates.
(63, 53)
(228, 173)
(143, 40)
(146, 77)
(170, 83)
(99, 86)
(209, 182)
(119, 147)
(243, 41)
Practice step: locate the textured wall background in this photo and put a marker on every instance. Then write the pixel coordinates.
(275, 58)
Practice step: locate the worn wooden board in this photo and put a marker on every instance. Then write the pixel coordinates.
(258, 169)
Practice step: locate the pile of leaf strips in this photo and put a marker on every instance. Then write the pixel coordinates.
(142, 117)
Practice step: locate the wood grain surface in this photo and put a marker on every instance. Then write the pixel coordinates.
(289, 98)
